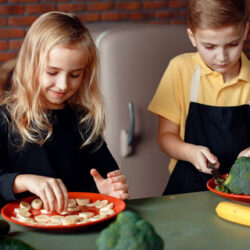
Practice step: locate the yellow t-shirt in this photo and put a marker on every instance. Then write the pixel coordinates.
(172, 96)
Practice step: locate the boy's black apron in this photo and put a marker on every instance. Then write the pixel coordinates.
(224, 130)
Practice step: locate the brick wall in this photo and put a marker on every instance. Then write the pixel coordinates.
(17, 15)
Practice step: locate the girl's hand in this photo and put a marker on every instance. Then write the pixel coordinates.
(200, 156)
(115, 185)
(51, 191)
(245, 152)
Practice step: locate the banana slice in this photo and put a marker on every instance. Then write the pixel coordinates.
(82, 221)
(97, 217)
(74, 209)
(102, 203)
(86, 215)
(72, 203)
(56, 218)
(64, 213)
(25, 205)
(36, 204)
(70, 219)
(42, 218)
(107, 207)
(24, 214)
(20, 210)
(82, 202)
(27, 220)
(44, 211)
(106, 212)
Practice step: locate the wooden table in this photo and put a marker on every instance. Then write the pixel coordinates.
(185, 221)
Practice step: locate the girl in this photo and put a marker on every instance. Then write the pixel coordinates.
(52, 119)
(203, 98)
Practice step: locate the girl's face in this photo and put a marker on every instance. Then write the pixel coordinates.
(62, 75)
(220, 48)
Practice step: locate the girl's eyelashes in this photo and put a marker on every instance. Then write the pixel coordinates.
(51, 73)
(72, 75)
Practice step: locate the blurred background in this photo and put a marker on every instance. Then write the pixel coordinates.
(17, 15)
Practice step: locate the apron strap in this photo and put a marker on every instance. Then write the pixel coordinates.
(195, 82)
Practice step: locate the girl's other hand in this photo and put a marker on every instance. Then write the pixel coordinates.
(51, 191)
(114, 185)
(245, 152)
(200, 156)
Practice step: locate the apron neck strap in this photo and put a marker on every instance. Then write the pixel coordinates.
(195, 83)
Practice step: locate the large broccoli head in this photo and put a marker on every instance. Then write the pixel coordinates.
(131, 232)
(238, 180)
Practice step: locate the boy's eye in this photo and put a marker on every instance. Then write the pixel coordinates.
(209, 46)
(233, 44)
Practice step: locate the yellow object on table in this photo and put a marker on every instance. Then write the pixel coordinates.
(234, 212)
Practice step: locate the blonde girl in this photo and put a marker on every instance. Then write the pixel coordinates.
(52, 119)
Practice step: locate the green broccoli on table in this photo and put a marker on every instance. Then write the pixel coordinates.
(131, 232)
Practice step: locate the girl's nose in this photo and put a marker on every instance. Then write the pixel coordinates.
(62, 82)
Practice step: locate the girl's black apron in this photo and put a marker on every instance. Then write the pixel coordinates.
(224, 130)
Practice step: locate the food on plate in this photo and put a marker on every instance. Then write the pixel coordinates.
(75, 214)
(72, 203)
(238, 179)
(234, 212)
(25, 205)
(82, 201)
(7, 242)
(129, 231)
(36, 204)
(4, 227)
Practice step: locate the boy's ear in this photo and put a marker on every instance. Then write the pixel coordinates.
(191, 37)
(246, 31)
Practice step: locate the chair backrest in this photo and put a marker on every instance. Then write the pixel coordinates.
(133, 58)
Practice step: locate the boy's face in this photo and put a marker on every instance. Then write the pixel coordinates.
(62, 75)
(220, 48)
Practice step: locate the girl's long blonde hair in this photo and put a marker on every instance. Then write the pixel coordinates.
(29, 119)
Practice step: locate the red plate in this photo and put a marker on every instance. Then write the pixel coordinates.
(242, 198)
(119, 205)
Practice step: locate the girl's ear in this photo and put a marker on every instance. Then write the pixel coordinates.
(191, 37)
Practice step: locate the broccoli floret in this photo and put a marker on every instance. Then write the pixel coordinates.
(131, 232)
(238, 180)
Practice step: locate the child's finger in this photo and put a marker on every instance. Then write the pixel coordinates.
(120, 187)
(95, 174)
(50, 198)
(119, 178)
(121, 195)
(114, 173)
(124, 196)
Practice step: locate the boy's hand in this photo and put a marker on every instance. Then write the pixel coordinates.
(115, 185)
(200, 156)
(51, 191)
(245, 152)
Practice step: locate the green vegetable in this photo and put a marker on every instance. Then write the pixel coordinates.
(238, 180)
(129, 232)
(4, 227)
(8, 243)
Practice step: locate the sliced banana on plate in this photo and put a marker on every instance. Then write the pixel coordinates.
(36, 204)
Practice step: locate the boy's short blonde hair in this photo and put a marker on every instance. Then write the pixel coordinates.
(216, 13)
